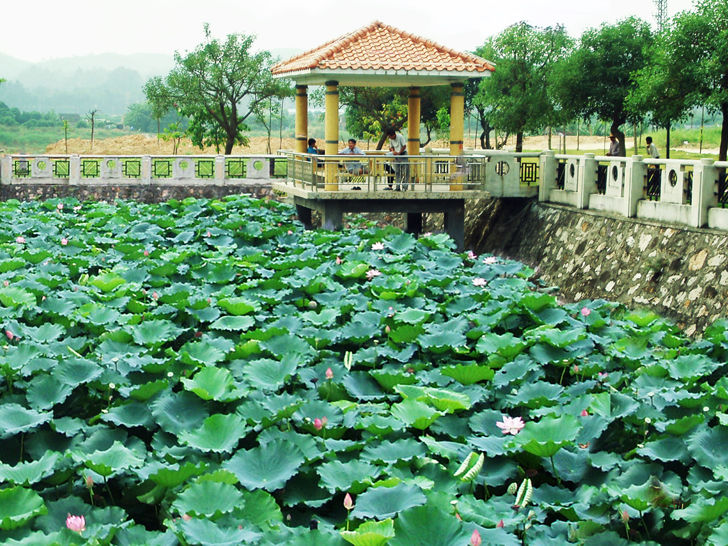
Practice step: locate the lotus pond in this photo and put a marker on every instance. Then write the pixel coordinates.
(206, 372)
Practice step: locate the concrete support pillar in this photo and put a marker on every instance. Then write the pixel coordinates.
(414, 223)
(220, 169)
(332, 216)
(74, 169)
(146, 169)
(413, 130)
(587, 180)
(6, 169)
(704, 176)
(332, 133)
(548, 175)
(457, 127)
(455, 224)
(634, 182)
(301, 118)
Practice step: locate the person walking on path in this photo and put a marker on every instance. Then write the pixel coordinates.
(651, 148)
(398, 147)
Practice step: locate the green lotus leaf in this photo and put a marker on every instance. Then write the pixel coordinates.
(138, 534)
(45, 333)
(287, 345)
(442, 399)
(145, 391)
(404, 449)
(213, 384)
(15, 419)
(11, 296)
(28, 473)
(233, 323)
(205, 531)
(430, 525)
(11, 264)
(353, 270)
(267, 467)
(388, 379)
(18, 506)
(173, 475)
(506, 345)
(691, 367)
(207, 498)
(106, 282)
(385, 502)
(45, 391)
(218, 433)
(550, 434)
(237, 306)
(155, 332)
(370, 533)
(415, 414)
(260, 509)
(664, 449)
(706, 445)
(537, 394)
(441, 337)
(177, 412)
(412, 316)
(703, 510)
(76, 371)
(352, 476)
(555, 337)
(468, 374)
(201, 352)
(268, 374)
(132, 414)
(113, 460)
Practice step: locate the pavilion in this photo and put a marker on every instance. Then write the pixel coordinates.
(380, 55)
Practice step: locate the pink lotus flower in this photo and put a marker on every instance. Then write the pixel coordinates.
(500, 524)
(9, 335)
(155, 296)
(387, 329)
(59, 206)
(76, 208)
(186, 517)
(585, 311)
(478, 281)
(378, 246)
(290, 232)
(338, 261)
(76, 523)
(329, 373)
(584, 413)
(64, 241)
(511, 425)
(318, 424)
(20, 239)
(472, 255)
(146, 253)
(475, 539)
(208, 234)
(490, 260)
(348, 502)
(89, 481)
(602, 376)
(373, 273)
(6, 283)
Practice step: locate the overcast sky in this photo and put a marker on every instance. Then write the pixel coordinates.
(36, 30)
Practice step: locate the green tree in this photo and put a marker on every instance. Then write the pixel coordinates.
(517, 91)
(370, 111)
(218, 86)
(700, 43)
(596, 79)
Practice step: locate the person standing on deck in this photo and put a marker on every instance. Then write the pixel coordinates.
(398, 147)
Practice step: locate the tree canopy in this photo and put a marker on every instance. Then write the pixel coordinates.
(517, 91)
(596, 79)
(218, 85)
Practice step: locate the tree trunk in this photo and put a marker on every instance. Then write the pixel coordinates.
(380, 142)
(550, 132)
(667, 143)
(723, 133)
(519, 141)
(229, 143)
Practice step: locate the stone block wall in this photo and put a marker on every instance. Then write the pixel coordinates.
(680, 272)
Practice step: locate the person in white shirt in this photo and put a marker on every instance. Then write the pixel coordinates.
(398, 148)
(354, 167)
(651, 148)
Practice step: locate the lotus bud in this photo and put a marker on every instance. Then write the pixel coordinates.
(475, 539)
(76, 523)
(348, 502)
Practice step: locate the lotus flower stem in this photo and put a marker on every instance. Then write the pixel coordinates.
(553, 469)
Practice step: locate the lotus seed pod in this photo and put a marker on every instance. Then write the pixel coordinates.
(512, 488)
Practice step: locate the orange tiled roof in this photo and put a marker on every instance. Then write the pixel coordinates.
(382, 47)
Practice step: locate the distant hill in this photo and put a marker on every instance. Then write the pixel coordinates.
(108, 82)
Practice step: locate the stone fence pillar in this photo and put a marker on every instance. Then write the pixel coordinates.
(74, 169)
(548, 175)
(146, 169)
(220, 169)
(6, 169)
(634, 182)
(588, 179)
(704, 176)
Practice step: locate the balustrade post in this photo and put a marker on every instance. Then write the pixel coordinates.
(548, 175)
(220, 169)
(588, 180)
(74, 169)
(146, 169)
(634, 182)
(704, 176)
(6, 170)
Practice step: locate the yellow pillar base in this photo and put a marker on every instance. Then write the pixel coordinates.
(457, 133)
(332, 134)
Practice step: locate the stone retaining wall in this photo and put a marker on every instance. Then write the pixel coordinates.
(679, 272)
(146, 193)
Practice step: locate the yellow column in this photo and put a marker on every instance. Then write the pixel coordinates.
(413, 130)
(332, 133)
(301, 118)
(457, 128)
